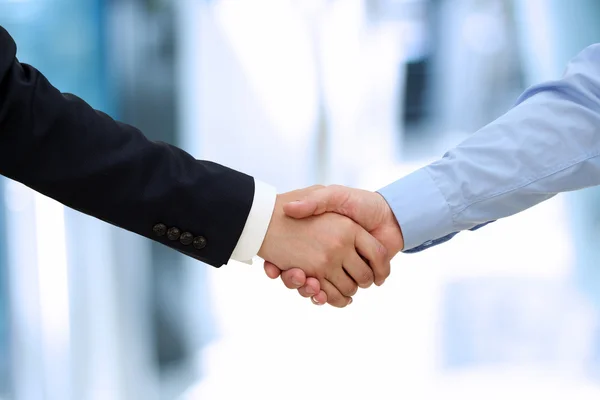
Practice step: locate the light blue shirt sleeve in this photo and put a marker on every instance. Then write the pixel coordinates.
(548, 143)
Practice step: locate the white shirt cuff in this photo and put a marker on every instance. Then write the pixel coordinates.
(257, 223)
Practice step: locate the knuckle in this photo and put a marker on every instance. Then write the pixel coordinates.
(316, 187)
(381, 270)
(321, 261)
(335, 299)
(334, 245)
(382, 264)
(335, 187)
(351, 290)
(366, 279)
(382, 252)
(325, 260)
(338, 195)
(338, 244)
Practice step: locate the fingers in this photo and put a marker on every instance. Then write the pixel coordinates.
(334, 297)
(294, 278)
(344, 283)
(319, 299)
(311, 288)
(271, 270)
(329, 199)
(359, 270)
(375, 253)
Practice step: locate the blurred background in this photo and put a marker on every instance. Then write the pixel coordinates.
(297, 92)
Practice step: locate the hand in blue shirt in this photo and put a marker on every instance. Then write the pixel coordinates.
(548, 143)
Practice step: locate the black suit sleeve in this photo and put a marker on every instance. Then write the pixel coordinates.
(58, 145)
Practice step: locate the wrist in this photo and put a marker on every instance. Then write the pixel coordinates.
(396, 238)
(265, 248)
(400, 242)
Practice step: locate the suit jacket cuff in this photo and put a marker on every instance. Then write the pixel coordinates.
(257, 223)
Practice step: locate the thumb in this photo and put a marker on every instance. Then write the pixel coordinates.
(318, 202)
(301, 208)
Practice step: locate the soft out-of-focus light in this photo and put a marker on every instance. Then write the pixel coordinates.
(17, 197)
(53, 283)
(484, 32)
(272, 44)
(52, 266)
(310, 6)
(535, 23)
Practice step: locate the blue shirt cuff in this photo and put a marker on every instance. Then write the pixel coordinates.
(420, 208)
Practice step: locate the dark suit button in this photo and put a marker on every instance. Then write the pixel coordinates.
(186, 238)
(160, 229)
(199, 242)
(173, 233)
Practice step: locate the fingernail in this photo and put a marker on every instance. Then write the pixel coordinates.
(380, 282)
(315, 302)
(310, 290)
(296, 282)
(350, 301)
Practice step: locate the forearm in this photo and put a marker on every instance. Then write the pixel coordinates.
(548, 143)
(58, 145)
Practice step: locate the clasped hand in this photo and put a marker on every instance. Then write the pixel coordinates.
(329, 241)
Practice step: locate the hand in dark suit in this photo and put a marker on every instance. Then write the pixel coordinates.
(58, 145)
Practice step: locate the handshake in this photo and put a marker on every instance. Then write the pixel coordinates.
(329, 241)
